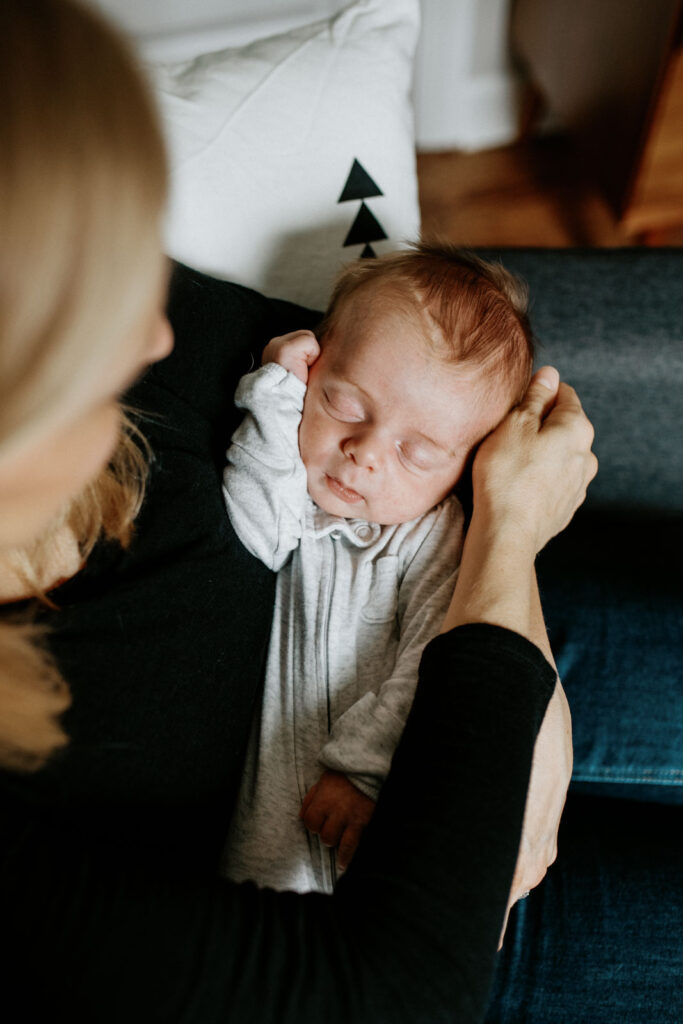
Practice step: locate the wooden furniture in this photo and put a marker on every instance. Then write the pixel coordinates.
(612, 74)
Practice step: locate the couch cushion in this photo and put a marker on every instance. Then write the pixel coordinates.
(612, 322)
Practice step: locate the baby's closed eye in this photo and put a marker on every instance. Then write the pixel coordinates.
(419, 456)
(341, 407)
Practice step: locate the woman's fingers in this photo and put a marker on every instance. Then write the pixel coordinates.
(550, 774)
(504, 928)
(542, 391)
(535, 467)
(523, 883)
(568, 411)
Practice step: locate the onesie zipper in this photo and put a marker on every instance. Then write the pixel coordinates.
(334, 536)
(326, 629)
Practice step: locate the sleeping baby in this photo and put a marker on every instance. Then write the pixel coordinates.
(340, 478)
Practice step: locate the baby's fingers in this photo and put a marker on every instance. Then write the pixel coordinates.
(310, 347)
(295, 351)
(313, 812)
(332, 830)
(348, 845)
(306, 802)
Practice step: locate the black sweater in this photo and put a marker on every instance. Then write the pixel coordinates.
(108, 889)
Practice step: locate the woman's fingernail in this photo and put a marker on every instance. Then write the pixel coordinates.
(549, 378)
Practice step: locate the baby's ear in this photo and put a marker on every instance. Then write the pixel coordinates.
(324, 332)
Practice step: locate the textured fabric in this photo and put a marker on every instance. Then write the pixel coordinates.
(616, 629)
(355, 604)
(612, 583)
(612, 323)
(109, 893)
(600, 939)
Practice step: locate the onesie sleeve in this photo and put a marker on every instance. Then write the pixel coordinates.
(264, 481)
(363, 740)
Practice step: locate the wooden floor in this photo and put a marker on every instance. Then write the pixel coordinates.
(532, 193)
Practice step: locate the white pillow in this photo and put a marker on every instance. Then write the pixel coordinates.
(263, 140)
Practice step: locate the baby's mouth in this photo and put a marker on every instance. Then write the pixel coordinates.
(346, 494)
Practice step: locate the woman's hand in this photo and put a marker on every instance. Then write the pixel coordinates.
(532, 472)
(529, 477)
(296, 351)
(550, 775)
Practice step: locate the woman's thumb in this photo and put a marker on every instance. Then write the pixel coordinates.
(542, 391)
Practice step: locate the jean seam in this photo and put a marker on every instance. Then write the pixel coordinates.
(647, 776)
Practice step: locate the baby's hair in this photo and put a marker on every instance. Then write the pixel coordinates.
(473, 311)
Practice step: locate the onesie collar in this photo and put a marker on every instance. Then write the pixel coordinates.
(358, 532)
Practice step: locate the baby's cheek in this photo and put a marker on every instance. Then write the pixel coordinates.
(314, 440)
(304, 439)
(428, 493)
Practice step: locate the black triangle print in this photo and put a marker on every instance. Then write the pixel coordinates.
(365, 228)
(359, 185)
(368, 253)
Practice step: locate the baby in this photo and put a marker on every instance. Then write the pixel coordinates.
(340, 478)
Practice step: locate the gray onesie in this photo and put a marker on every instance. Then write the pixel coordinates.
(355, 605)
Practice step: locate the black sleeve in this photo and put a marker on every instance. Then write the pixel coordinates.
(409, 934)
(223, 327)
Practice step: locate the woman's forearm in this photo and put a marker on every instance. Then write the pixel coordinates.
(496, 581)
(497, 585)
(538, 633)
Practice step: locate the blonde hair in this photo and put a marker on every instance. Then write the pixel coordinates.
(471, 310)
(82, 188)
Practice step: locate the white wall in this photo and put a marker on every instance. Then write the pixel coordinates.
(466, 92)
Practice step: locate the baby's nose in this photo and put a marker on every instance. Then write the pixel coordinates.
(364, 450)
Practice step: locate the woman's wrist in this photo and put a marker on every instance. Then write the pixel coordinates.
(505, 521)
(495, 579)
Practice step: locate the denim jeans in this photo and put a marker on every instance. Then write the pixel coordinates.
(613, 601)
(601, 939)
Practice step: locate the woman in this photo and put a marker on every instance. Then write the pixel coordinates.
(114, 810)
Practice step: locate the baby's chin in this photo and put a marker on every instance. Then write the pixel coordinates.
(362, 510)
(319, 490)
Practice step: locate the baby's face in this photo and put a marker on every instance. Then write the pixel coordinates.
(387, 425)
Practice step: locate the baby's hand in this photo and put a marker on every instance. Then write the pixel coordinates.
(295, 351)
(338, 812)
